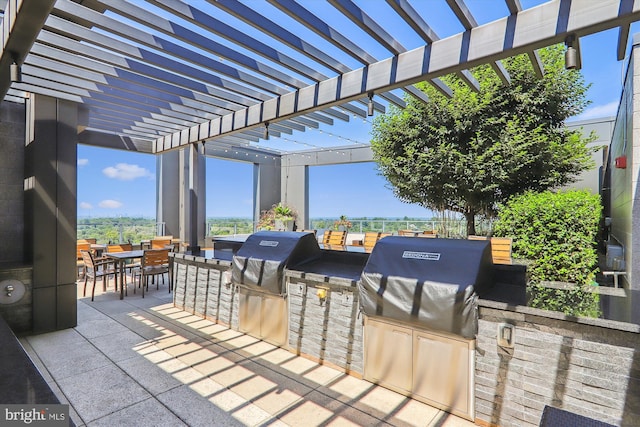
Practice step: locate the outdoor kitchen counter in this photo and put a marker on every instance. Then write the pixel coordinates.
(21, 382)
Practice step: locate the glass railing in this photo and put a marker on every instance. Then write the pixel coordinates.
(120, 230)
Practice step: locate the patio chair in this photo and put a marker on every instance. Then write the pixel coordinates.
(155, 262)
(370, 239)
(501, 248)
(161, 243)
(94, 269)
(81, 246)
(130, 265)
(334, 238)
(90, 241)
(409, 233)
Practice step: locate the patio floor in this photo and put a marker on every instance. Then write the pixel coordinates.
(143, 362)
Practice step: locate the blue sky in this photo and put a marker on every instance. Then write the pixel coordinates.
(119, 183)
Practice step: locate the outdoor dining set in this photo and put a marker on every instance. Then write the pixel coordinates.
(149, 263)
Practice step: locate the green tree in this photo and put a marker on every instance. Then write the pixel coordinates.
(470, 152)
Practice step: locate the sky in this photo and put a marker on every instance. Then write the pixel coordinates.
(116, 183)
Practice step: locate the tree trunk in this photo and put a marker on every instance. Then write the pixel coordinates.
(470, 216)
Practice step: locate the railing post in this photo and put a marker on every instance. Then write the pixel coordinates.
(120, 232)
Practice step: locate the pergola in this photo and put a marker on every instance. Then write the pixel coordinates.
(158, 75)
(184, 80)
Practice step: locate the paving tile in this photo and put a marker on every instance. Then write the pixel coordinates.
(277, 356)
(214, 365)
(242, 341)
(87, 312)
(414, 413)
(149, 375)
(323, 375)
(148, 413)
(271, 376)
(212, 329)
(320, 409)
(306, 413)
(347, 388)
(99, 327)
(233, 375)
(225, 335)
(202, 373)
(120, 345)
(195, 410)
(67, 337)
(101, 391)
(251, 415)
(444, 419)
(61, 362)
(299, 365)
(207, 387)
(140, 325)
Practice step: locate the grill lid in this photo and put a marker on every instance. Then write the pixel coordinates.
(428, 282)
(262, 258)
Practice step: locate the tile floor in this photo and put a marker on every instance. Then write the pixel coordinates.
(143, 362)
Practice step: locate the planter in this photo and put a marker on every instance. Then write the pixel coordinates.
(284, 225)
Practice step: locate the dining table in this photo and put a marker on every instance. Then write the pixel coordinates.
(121, 258)
(98, 248)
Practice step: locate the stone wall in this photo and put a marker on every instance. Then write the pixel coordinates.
(589, 367)
(203, 287)
(328, 330)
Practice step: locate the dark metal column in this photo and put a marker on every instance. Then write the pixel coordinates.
(51, 210)
(192, 197)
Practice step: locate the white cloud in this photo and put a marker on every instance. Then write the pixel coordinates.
(85, 205)
(599, 111)
(110, 204)
(126, 172)
(83, 162)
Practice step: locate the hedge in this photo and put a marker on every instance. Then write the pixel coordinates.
(557, 231)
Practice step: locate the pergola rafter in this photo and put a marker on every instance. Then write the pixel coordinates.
(157, 75)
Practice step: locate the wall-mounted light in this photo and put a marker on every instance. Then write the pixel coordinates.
(265, 135)
(370, 105)
(572, 54)
(15, 70)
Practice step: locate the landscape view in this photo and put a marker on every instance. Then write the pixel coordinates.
(135, 229)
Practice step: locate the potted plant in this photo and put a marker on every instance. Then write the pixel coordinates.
(284, 217)
(342, 224)
(266, 221)
(279, 217)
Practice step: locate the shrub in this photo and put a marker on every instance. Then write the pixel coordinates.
(557, 231)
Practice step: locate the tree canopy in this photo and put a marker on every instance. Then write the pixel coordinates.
(473, 151)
